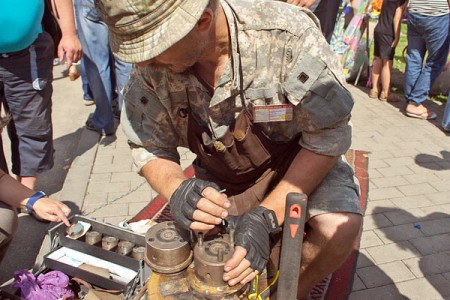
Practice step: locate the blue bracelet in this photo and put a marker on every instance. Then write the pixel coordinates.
(33, 199)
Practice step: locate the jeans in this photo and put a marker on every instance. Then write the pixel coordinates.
(87, 94)
(446, 118)
(425, 33)
(100, 65)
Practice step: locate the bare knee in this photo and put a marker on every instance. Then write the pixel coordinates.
(337, 227)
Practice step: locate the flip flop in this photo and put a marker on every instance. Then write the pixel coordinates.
(426, 115)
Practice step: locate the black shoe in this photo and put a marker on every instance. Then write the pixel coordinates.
(90, 125)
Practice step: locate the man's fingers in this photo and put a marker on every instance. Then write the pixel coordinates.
(209, 207)
(204, 217)
(238, 255)
(198, 226)
(216, 197)
(240, 277)
(249, 277)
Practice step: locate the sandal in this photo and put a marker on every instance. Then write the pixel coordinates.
(373, 94)
(424, 115)
(383, 96)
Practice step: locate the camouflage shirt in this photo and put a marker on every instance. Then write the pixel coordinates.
(279, 56)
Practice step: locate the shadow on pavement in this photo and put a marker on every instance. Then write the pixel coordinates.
(26, 243)
(424, 244)
(433, 162)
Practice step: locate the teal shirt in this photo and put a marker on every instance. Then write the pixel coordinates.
(20, 23)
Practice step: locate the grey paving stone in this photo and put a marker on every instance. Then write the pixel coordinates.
(357, 284)
(419, 289)
(127, 176)
(384, 182)
(393, 252)
(369, 239)
(379, 293)
(384, 274)
(364, 259)
(385, 193)
(421, 178)
(376, 221)
(379, 206)
(432, 244)
(438, 226)
(417, 189)
(400, 216)
(412, 202)
(429, 264)
(398, 233)
(100, 177)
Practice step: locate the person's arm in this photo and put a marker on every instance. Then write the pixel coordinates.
(397, 24)
(70, 44)
(13, 193)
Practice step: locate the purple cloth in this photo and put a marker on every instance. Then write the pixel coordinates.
(49, 286)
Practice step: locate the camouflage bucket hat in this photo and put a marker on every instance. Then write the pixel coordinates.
(142, 29)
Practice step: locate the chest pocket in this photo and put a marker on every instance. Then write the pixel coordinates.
(322, 97)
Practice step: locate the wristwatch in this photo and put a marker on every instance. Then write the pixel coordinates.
(35, 197)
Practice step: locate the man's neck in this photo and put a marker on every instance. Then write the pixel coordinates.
(212, 65)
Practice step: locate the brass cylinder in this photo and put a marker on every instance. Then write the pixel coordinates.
(109, 242)
(93, 237)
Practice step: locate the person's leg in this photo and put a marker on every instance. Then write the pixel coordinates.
(376, 70)
(334, 221)
(8, 226)
(28, 93)
(93, 34)
(87, 93)
(446, 118)
(414, 55)
(329, 241)
(435, 36)
(386, 69)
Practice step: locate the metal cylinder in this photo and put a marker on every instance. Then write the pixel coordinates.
(124, 247)
(138, 253)
(205, 274)
(93, 237)
(109, 242)
(210, 257)
(167, 248)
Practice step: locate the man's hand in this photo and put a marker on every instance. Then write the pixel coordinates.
(302, 3)
(198, 205)
(70, 47)
(252, 239)
(52, 210)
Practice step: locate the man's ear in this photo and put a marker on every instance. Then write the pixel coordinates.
(206, 20)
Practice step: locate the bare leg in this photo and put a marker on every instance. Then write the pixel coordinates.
(329, 241)
(28, 181)
(376, 70)
(386, 77)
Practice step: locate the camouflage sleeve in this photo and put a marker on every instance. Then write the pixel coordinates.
(314, 83)
(149, 131)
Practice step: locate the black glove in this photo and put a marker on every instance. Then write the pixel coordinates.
(183, 201)
(252, 232)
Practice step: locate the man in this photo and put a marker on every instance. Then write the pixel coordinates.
(428, 32)
(26, 65)
(104, 73)
(254, 90)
